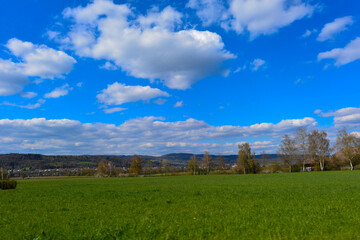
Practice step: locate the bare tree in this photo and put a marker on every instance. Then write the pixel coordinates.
(220, 162)
(349, 144)
(149, 167)
(165, 166)
(319, 147)
(301, 138)
(264, 158)
(288, 151)
(207, 162)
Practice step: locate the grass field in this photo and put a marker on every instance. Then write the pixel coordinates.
(275, 206)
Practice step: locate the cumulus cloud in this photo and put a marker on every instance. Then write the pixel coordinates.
(254, 16)
(63, 136)
(12, 79)
(40, 60)
(147, 46)
(335, 27)
(59, 92)
(257, 64)
(34, 61)
(348, 54)
(344, 117)
(118, 93)
(266, 16)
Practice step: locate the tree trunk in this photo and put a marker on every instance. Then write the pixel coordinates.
(322, 165)
(351, 166)
(304, 166)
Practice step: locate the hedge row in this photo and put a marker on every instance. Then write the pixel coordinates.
(8, 184)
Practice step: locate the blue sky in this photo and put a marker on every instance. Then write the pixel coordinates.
(154, 77)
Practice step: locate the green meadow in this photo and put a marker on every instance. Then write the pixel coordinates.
(318, 205)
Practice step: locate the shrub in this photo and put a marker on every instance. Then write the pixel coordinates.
(8, 184)
(357, 167)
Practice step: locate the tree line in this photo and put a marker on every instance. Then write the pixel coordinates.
(312, 148)
(303, 151)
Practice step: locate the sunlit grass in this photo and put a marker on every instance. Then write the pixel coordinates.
(274, 206)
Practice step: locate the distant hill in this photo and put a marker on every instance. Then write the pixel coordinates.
(39, 161)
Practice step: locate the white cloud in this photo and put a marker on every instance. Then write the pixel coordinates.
(109, 66)
(266, 16)
(28, 94)
(318, 111)
(117, 94)
(34, 61)
(12, 79)
(113, 110)
(59, 92)
(145, 46)
(257, 64)
(209, 11)
(348, 54)
(160, 101)
(344, 117)
(335, 27)
(79, 84)
(62, 136)
(179, 104)
(240, 69)
(254, 16)
(308, 32)
(28, 106)
(40, 60)
(356, 134)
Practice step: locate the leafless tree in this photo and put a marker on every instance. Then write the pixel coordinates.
(288, 151)
(220, 162)
(301, 138)
(349, 144)
(207, 162)
(319, 147)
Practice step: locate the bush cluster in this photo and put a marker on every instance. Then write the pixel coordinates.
(8, 184)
